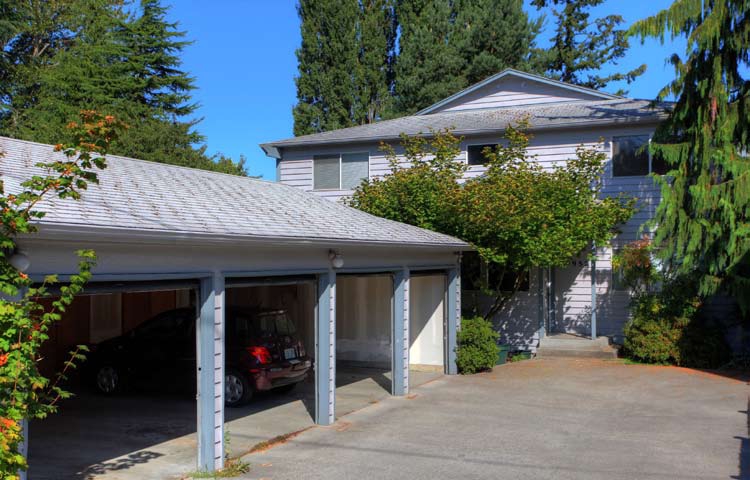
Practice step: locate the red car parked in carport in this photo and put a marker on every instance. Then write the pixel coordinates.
(262, 353)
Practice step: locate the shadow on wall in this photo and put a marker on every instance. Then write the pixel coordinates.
(517, 322)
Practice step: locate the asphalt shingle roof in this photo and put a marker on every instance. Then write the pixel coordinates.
(152, 197)
(554, 115)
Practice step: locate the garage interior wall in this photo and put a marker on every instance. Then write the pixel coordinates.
(363, 319)
(297, 299)
(426, 322)
(91, 319)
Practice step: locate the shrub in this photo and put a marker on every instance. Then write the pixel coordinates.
(667, 328)
(477, 345)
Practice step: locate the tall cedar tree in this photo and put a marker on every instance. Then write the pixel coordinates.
(93, 55)
(374, 75)
(428, 66)
(344, 63)
(445, 46)
(581, 46)
(703, 219)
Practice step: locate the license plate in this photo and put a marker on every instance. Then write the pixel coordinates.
(290, 353)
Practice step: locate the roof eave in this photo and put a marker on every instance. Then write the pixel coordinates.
(65, 231)
(561, 126)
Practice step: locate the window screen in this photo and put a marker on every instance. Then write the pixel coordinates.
(630, 156)
(326, 172)
(475, 155)
(354, 167)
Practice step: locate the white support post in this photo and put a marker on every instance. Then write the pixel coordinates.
(325, 350)
(210, 353)
(540, 297)
(593, 292)
(400, 333)
(453, 320)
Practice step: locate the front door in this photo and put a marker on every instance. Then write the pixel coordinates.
(572, 286)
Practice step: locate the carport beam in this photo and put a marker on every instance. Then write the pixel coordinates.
(325, 350)
(400, 332)
(210, 353)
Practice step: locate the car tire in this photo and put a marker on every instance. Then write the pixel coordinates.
(109, 379)
(237, 390)
(284, 389)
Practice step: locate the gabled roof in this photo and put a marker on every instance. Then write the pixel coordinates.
(510, 72)
(488, 121)
(147, 198)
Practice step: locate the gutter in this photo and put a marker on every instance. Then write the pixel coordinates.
(75, 232)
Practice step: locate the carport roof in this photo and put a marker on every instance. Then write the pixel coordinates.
(141, 197)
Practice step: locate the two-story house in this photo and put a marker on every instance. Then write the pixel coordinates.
(562, 117)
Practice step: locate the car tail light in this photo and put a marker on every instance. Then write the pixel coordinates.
(261, 354)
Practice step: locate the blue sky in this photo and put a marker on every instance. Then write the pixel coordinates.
(244, 64)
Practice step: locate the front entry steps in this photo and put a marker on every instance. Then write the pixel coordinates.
(567, 346)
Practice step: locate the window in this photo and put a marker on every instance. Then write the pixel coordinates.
(340, 171)
(630, 157)
(475, 153)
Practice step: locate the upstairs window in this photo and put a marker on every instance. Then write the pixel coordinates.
(340, 171)
(630, 157)
(475, 153)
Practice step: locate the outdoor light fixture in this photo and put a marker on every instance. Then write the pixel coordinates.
(20, 261)
(337, 261)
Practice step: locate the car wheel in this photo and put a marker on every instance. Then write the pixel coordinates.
(108, 379)
(285, 388)
(237, 390)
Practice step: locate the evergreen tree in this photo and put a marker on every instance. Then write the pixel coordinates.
(447, 45)
(703, 219)
(374, 74)
(429, 65)
(580, 46)
(492, 35)
(327, 63)
(75, 55)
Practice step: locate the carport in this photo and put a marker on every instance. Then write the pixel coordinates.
(153, 225)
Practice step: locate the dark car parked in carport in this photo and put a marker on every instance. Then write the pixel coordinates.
(262, 353)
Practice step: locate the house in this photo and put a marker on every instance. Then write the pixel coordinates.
(582, 299)
(164, 234)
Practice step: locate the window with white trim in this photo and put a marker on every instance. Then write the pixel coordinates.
(631, 157)
(343, 171)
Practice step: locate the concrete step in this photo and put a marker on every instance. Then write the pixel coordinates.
(547, 352)
(572, 346)
(556, 341)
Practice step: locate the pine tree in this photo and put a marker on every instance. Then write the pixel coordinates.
(327, 63)
(703, 220)
(581, 46)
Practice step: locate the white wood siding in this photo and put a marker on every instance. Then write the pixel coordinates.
(573, 296)
(513, 92)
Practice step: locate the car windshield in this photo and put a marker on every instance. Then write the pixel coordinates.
(263, 325)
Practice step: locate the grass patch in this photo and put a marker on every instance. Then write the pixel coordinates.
(232, 468)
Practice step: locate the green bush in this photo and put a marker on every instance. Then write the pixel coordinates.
(477, 346)
(667, 328)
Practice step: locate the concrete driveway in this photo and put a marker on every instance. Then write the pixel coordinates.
(538, 419)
